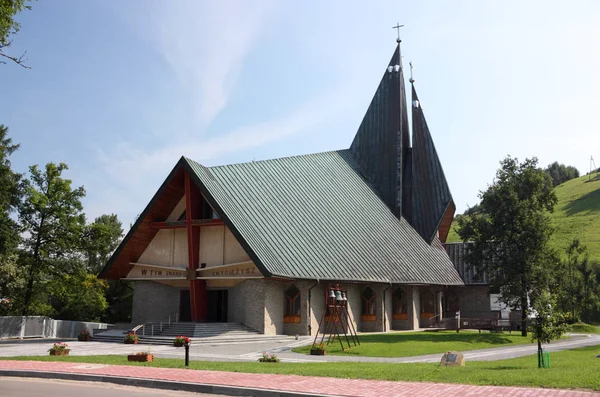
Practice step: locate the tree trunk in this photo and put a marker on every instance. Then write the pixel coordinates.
(34, 264)
(28, 292)
(524, 316)
(540, 353)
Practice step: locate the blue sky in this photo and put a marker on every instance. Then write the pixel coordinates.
(119, 90)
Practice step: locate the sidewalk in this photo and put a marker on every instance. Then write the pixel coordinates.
(242, 384)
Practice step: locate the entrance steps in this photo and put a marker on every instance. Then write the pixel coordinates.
(212, 333)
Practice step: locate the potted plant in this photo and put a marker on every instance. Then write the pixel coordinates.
(59, 349)
(318, 350)
(131, 338)
(141, 357)
(268, 358)
(181, 341)
(84, 336)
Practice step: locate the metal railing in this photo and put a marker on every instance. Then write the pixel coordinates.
(153, 326)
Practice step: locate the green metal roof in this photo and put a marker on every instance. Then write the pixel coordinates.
(315, 217)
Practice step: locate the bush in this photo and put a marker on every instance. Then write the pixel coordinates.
(268, 358)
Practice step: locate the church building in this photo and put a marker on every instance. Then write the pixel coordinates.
(262, 243)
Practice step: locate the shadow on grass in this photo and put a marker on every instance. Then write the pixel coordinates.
(589, 202)
(491, 338)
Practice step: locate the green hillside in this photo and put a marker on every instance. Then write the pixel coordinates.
(576, 215)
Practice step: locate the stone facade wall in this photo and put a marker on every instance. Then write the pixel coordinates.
(388, 308)
(273, 303)
(246, 304)
(414, 307)
(154, 302)
(317, 307)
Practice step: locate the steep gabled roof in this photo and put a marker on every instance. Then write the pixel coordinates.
(433, 207)
(383, 138)
(315, 217)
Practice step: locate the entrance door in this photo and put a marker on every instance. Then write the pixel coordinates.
(185, 311)
(217, 306)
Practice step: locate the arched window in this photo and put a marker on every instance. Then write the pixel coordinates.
(291, 313)
(368, 310)
(399, 305)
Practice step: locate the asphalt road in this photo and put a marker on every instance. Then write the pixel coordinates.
(24, 387)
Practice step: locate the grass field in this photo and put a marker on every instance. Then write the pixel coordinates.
(406, 344)
(577, 368)
(584, 328)
(576, 215)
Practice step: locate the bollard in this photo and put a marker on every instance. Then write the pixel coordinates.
(187, 354)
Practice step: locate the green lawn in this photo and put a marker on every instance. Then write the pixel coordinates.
(577, 368)
(406, 344)
(576, 215)
(584, 328)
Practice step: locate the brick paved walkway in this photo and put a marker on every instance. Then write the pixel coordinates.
(291, 383)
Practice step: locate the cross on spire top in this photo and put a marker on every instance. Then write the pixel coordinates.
(397, 27)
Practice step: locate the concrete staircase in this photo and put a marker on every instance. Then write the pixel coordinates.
(198, 332)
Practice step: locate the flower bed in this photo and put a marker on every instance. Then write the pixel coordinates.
(131, 339)
(141, 357)
(268, 358)
(181, 341)
(59, 349)
(318, 350)
(84, 336)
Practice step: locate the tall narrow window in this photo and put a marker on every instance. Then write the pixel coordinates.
(451, 303)
(292, 305)
(427, 304)
(368, 310)
(399, 305)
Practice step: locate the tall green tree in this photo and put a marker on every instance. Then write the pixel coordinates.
(10, 194)
(9, 26)
(511, 233)
(560, 173)
(51, 217)
(101, 238)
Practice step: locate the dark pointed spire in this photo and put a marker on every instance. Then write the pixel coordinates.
(433, 207)
(382, 140)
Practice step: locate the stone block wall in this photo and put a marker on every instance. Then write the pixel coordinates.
(414, 307)
(154, 302)
(246, 304)
(273, 304)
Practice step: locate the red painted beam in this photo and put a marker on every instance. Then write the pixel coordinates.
(183, 224)
(197, 287)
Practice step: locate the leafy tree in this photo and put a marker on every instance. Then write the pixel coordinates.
(78, 296)
(101, 238)
(561, 173)
(52, 219)
(120, 301)
(511, 233)
(9, 194)
(548, 324)
(9, 27)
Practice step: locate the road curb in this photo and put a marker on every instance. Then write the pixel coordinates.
(159, 384)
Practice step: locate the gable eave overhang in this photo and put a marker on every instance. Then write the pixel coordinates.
(106, 269)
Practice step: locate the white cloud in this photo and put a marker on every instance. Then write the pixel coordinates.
(205, 44)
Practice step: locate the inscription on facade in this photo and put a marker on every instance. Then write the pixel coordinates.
(236, 272)
(147, 272)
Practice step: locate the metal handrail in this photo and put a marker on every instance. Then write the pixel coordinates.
(434, 317)
(151, 324)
